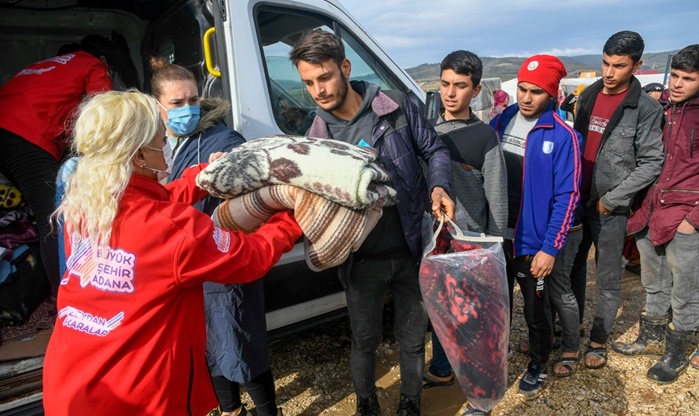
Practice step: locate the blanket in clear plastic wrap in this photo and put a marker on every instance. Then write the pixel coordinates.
(464, 287)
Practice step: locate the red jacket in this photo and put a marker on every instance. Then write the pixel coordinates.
(675, 194)
(130, 335)
(37, 101)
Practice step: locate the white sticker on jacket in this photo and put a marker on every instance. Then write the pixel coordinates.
(547, 147)
(105, 268)
(222, 239)
(90, 324)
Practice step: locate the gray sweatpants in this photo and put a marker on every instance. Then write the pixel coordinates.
(670, 275)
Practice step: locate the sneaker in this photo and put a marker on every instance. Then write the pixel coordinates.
(368, 406)
(534, 381)
(470, 410)
(408, 407)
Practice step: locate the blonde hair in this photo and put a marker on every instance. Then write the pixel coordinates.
(109, 130)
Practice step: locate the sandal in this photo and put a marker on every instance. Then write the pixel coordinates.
(569, 363)
(695, 355)
(429, 380)
(599, 352)
(242, 411)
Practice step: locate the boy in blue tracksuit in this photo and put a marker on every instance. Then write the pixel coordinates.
(542, 155)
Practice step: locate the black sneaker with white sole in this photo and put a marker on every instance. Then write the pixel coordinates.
(471, 411)
(534, 380)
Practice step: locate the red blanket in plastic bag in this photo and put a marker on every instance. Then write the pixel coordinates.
(464, 287)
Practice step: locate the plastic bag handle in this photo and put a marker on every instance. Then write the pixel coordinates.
(482, 238)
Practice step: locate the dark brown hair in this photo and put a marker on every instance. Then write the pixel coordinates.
(686, 59)
(627, 43)
(317, 47)
(163, 71)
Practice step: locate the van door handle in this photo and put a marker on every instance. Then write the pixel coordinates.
(207, 53)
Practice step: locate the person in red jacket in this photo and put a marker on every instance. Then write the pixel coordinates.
(36, 104)
(130, 336)
(665, 228)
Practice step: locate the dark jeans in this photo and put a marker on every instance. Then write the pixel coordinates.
(34, 171)
(537, 305)
(368, 284)
(607, 233)
(260, 388)
(439, 365)
(561, 292)
(578, 275)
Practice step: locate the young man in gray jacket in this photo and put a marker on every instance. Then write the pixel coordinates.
(360, 113)
(622, 155)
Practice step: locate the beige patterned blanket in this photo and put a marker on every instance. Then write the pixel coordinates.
(341, 172)
(332, 230)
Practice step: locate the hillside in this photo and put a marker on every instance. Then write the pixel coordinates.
(506, 68)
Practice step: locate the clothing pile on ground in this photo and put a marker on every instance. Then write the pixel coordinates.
(23, 283)
(336, 190)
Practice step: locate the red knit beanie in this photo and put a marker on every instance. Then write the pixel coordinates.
(544, 71)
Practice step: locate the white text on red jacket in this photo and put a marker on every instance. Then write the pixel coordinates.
(88, 323)
(104, 268)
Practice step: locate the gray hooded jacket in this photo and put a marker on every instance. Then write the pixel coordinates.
(630, 155)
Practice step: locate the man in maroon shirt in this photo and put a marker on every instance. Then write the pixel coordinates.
(622, 154)
(665, 228)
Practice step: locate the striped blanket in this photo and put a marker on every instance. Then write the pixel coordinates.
(332, 230)
(341, 172)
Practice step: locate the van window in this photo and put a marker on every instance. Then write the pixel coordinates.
(278, 30)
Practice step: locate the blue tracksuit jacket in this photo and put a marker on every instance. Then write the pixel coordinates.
(550, 183)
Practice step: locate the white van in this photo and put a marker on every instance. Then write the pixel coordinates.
(239, 50)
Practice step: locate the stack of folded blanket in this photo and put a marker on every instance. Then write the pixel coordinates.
(335, 189)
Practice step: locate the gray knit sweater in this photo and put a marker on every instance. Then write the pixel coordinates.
(479, 185)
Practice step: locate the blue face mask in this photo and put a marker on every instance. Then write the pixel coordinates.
(183, 120)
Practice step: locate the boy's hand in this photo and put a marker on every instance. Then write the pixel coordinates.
(542, 264)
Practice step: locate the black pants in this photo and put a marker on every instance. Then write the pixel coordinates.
(537, 306)
(33, 171)
(578, 277)
(260, 388)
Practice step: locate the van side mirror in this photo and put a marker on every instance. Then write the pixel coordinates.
(432, 104)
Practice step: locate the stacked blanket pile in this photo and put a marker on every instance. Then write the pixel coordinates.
(335, 189)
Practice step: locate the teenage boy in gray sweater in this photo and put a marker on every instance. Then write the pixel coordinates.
(479, 177)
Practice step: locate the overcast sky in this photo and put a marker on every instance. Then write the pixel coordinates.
(414, 32)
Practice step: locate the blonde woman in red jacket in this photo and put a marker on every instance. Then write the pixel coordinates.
(130, 333)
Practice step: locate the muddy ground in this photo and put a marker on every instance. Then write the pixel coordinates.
(312, 374)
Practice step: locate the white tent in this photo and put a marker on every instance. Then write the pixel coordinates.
(570, 84)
